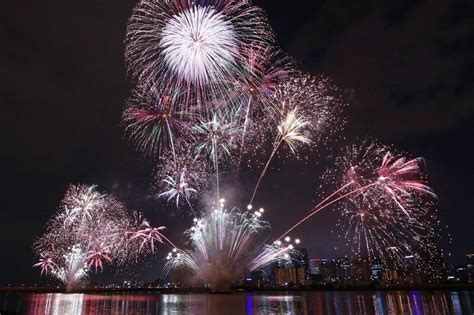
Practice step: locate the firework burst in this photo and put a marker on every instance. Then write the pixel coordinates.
(383, 175)
(151, 124)
(380, 232)
(382, 178)
(177, 188)
(317, 99)
(290, 132)
(402, 180)
(216, 137)
(89, 231)
(46, 264)
(81, 202)
(74, 268)
(227, 244)
(183, 177)
(199, 44)
(266, 67)
(304, 110)
(148, 236)
(96, 258)
(194, 49)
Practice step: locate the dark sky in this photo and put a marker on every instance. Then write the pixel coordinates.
(406, 68)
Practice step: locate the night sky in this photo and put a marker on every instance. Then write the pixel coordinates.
(406, 68)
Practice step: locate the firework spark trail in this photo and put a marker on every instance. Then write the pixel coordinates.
(216, 165)
(264, 171)
(244, 132)
(191, 206)
(215, 137)
(171, 140)
(266, 68)
(289, 132)
(169, 242)
(323, 205)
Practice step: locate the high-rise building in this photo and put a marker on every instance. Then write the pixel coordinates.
(288, 275)
(295, 274)
(470, 267)
(376, 270)
(361, 271)
(429, 259)
(301, 260)
(315, 275)
(314, 266)
(284, 275)
(255, 279)
(328, 270)
(461, 273)
(344, 268)
(470, 259)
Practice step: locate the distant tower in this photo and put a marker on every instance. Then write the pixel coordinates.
(470, 267)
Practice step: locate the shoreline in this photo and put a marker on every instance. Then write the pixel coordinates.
(236, 290)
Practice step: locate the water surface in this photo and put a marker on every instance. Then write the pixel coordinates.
(318, 302)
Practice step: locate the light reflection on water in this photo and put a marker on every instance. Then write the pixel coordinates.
(323, 302)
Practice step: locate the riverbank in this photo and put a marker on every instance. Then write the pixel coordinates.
(438, 287)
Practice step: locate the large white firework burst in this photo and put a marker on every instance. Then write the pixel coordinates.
(194, 49)
(199, 44)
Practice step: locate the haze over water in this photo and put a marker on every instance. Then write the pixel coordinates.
(319, 302)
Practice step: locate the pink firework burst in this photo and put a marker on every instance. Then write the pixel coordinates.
(148, 235)
(381, 177)
(97, 258)
(401, 179)
(96, 233)
(46, 264)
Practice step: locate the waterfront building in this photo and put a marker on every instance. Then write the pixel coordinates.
(294, 274)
